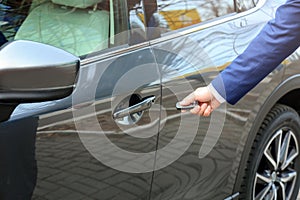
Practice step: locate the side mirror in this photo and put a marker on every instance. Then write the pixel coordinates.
(35, 72)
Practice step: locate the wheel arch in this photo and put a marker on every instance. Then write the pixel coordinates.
(285, 93)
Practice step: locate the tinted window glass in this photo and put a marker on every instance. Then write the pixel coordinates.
(79, 27)
(12, 14)
(176, 14)
(243, 5)
(136, 21)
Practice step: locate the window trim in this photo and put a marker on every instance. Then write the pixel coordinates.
(123, 49)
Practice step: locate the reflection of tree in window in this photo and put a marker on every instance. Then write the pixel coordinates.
(217, 8)
(243, 5)
(182, 13)
(12, 15)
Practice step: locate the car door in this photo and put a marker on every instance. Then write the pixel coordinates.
(197, 157)
(100, 142)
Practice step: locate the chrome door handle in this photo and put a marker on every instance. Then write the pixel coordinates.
(139, 107)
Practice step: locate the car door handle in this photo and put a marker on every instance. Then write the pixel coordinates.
(139, 107)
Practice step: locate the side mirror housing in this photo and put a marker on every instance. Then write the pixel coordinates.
(34, 72)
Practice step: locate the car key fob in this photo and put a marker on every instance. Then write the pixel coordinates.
(188, 107)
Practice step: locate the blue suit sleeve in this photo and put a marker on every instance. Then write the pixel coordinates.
(277, 40)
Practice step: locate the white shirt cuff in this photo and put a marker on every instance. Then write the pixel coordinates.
(216, 94)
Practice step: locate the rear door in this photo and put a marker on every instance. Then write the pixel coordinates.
(197, 157)
(100, 142)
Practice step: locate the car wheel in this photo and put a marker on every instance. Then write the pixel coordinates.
(273, 167)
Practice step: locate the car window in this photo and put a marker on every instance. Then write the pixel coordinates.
(136, 21)
(171, 15)
(177, 14)
(243, 5)
(79, 27)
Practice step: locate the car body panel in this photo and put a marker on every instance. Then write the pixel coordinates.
(66, 168)
(289, 85)
(194, 59)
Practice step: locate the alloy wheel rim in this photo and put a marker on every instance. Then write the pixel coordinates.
(276, 175)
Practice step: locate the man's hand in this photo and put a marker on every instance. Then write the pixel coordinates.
(207, 102)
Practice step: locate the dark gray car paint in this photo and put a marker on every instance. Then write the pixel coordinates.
(66, 170)
(214, 176)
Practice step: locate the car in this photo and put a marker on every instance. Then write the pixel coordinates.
(88, 103)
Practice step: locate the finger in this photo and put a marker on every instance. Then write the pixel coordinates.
(195, 110)
(188, 100)
(203, 108)
(208, 111)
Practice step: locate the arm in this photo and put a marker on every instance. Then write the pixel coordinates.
(277, 40)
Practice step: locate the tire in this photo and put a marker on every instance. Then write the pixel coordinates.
(273, 170)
